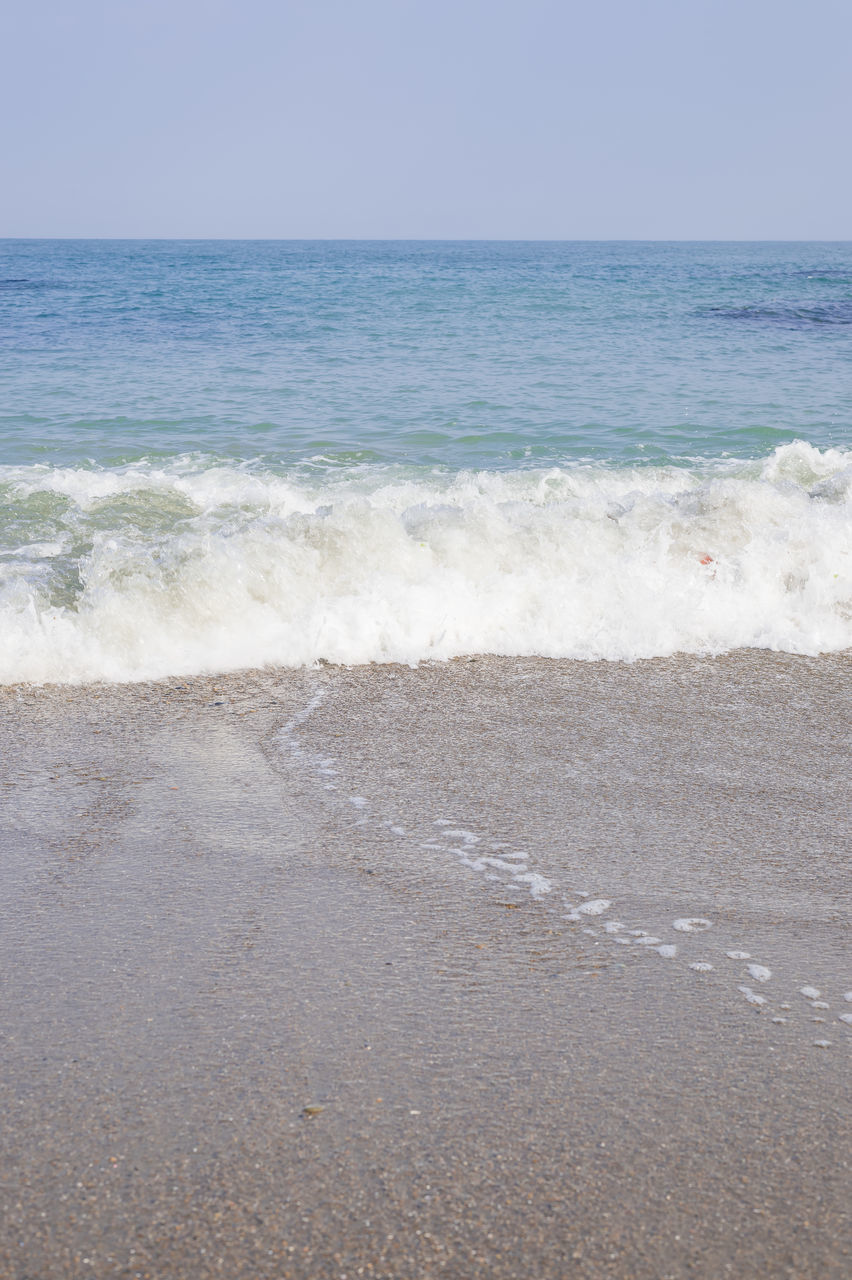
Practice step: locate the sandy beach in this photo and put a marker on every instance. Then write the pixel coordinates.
(389, 972)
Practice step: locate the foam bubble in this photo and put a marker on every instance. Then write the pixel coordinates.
(502, 864)
(691, 924)
(810, 993)
(759, 972)
(538, 885)
(594, 907)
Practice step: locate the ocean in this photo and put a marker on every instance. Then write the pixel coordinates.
(224, 455)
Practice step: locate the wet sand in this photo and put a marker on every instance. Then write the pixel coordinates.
(281, 998)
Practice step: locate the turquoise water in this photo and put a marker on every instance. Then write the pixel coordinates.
(466, 355)
(216, 454)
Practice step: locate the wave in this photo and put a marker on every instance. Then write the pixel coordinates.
(166, 569)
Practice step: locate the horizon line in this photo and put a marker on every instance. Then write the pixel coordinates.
(429, 239)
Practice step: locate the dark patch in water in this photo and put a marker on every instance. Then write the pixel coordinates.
(789, 315)
(12, 284)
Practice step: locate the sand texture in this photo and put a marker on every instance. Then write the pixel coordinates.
(386, 972)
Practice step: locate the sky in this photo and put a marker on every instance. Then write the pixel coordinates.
(426, 119)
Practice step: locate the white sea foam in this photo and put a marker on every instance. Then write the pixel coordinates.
(153, 570)
(691, 924)
(538, 885)
(594, 907)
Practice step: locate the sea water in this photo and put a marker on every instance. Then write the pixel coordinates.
(216, 455)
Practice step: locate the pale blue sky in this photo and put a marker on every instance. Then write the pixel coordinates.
(659, 119)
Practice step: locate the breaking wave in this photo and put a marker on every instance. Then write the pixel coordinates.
(196, 565)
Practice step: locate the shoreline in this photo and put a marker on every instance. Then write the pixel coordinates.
(233, 898)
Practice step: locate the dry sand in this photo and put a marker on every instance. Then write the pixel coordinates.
(218, 912)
